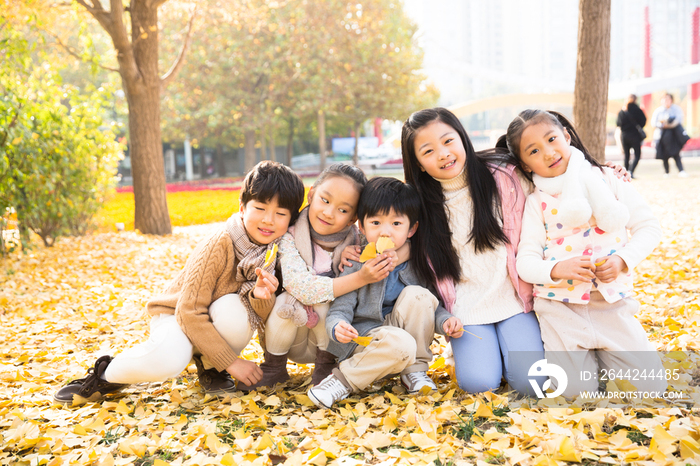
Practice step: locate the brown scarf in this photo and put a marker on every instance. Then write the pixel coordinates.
(250, 256)
(305, 236)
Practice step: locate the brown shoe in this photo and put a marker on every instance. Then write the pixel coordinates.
(212, 381)
(324, 364)
(274, 371)
(92, 387)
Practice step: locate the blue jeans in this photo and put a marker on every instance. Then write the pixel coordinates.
(481, 363)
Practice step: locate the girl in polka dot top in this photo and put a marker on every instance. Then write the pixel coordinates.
(574, 249)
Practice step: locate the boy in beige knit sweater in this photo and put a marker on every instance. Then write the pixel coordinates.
(212, 307)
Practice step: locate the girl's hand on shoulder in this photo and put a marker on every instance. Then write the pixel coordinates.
(351, 252)
(620, 171)
(393, 256)
(611, 269)
(453, 327)
(376, 269)
(344, 332)
(265, 285)
(246, 371)
(577, 268)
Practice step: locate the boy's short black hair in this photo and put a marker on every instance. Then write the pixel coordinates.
(269, 179)
(382, 194)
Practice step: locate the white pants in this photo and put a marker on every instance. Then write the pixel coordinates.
(168, 350)
(298, 343)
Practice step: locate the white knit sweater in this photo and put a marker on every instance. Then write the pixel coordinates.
(485, 293)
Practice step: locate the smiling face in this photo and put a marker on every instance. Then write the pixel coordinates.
(265, 221)
(333, 205)
(545, 149)
(439, 151)
(394, 226)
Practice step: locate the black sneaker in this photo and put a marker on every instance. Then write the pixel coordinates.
(92, 387)
(212, 381)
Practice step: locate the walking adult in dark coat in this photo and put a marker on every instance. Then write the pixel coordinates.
(631, 121)
(669, 133)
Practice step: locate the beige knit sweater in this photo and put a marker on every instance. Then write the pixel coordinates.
(485, 294)
(210, 273)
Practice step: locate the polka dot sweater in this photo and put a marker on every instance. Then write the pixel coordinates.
(545, 241)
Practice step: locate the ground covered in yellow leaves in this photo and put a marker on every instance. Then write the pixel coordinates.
(63, 306)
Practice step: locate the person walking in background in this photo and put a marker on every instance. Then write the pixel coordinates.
(669, 136)
(631, 121)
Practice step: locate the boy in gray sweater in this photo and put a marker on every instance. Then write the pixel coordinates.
(398, 314)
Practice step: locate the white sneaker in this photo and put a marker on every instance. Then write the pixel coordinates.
(330, 390)
(415, 382)
(683, 174)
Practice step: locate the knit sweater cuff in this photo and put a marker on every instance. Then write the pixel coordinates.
(223, 359)
(262, 307)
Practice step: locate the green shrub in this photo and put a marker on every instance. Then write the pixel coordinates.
(57, 156)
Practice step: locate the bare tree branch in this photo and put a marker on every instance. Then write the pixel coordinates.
(113, 22)
(72, 52)
(96, 10)
(157, 3)
(168, 77)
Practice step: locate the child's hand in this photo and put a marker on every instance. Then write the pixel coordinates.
(351, 252)
(265, 285)
(620, 171)
(376, 269)
(577, 268)
(246, 371)
(345, 332)
(610, 270)
(453, 327)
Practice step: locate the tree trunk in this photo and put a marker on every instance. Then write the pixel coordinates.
(202, 163)
(273, 155)
(356, 152)
(263, 143)
(220, 162)
(322, 139)
(592, 75)
(290, 142)
(249, 150)
(146, 149)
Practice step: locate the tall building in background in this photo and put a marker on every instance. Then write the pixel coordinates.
(476, 49)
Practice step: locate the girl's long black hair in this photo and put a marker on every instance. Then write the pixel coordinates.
(433, 243)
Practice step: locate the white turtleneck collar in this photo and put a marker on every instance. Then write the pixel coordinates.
(454, 184)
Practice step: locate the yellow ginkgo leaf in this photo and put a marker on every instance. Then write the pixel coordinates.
(384, 243)
(270, 255)
(600, 262)
(370, 252)
(439, 363)
(362, 341)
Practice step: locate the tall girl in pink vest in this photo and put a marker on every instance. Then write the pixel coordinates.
(574, 249)
(470, 228)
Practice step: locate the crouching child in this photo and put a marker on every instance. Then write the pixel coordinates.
(398, 314)
(212, 307)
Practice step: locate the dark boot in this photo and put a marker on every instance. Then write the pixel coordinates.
(92, 387)
(274, 371)
(212, 381)
(324, 363)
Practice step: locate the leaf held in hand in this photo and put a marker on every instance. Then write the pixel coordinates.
(384, 243)
(600, 262)
(362, 341)
(370, 252)
(270, 255)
